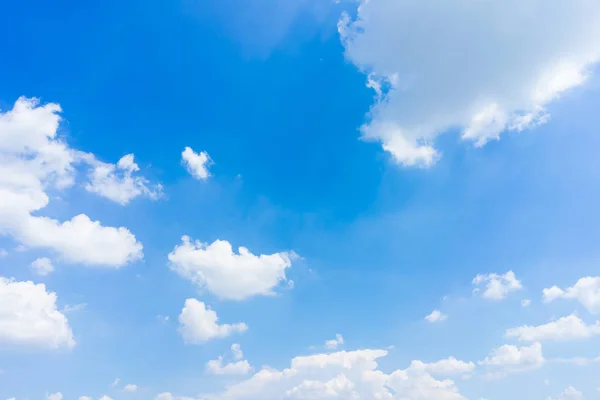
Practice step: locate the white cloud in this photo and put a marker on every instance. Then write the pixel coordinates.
(33, 160)
(54, 396)
(525, 303)
(586, 291)
(105, 397)
(436, 316)
(216, 367)
(29, 316)
(85, 398)
(509, 359)
(117, 182)
(3, 253)
(344, 375)
(199, 324)
(565, 328)
(226, 274)
(74, 308)
(476, 66)
(447, 367)
(570, 393)
(236, 350)
(196, 163)
(333, 344)
(130, 388)
(498, 286)
(116, 382)
(42, 266)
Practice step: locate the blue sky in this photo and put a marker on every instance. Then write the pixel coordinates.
(373, 158)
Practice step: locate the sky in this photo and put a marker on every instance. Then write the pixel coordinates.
(300, 200)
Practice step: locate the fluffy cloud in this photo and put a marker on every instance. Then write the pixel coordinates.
(478, 66)
(447, 367)
(586, 291)
(565, 328)
(196, 163)
(238, 367)
(509, 359)
(117, 182)
(570, 393)
(199, 324)
(347, 375)
(130, 388)
(497, 287)
(42, 266)
(333, 344)
(33, 160)
(29, 316)
(54, 396)
(226, 274)
(436, 316)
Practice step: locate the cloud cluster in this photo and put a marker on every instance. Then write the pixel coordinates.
(586, 291)
(497, 287)
(226, 274)
(437, 66)
(29, 316)
(35, 161)
(199, 324)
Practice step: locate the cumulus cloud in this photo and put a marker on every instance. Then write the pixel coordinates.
(237, 367)
(346, 375)
(497, 287)
(42, 266)
(480, 67)
(199, 324)
(565, 328)
(29, 316)
(118, 182)
(33, 161)
(436, 316)
(508, 359)
(570, 393)
(196, 163)
(333, 344)
(586, 291)
(229, 275)
(130, 388)
(54, 396)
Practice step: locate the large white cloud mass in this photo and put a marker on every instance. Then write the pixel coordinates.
(34, 161)
(482, 67)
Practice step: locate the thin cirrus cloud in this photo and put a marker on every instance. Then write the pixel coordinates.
(227, 274)
(493, 79)
(33, 160)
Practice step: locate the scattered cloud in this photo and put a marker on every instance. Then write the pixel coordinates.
(586, 291)
(130, 388)
(117, 182)
(116, 382)
(34, 160)
(563, 329)
(497, 287)
(454, 66)
(3, 253)
(333, 344)
(42, 266)
(525, 303)
(570, 393)
(29, 316)
(345, 375)
(436, 316)
(196, 163)
(199, 324)
(229, 276)
(68, 309)
(54, 396)
(508, 359)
